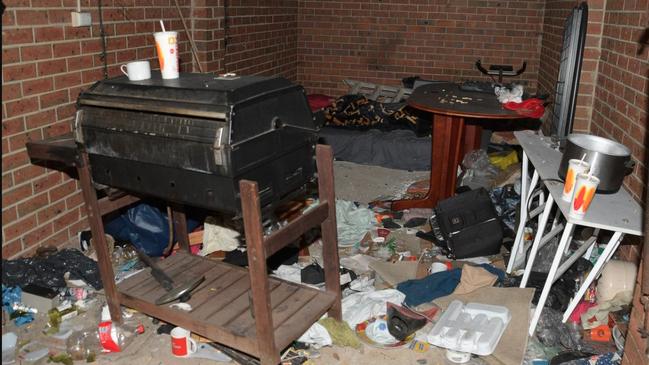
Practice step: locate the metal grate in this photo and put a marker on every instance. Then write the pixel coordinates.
(574, 36)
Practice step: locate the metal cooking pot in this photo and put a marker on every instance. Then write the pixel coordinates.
(609, 160)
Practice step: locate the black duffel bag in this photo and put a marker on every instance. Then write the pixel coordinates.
(466, 225)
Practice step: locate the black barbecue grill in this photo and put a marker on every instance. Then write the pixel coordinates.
(190, 140)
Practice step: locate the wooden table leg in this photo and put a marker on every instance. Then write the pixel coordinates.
(445, 157)
(180, 226)
(472, 138)
(99, 239)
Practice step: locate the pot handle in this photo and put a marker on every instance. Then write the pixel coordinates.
(628, 167)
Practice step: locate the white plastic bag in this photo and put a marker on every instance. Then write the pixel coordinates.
(359, 307)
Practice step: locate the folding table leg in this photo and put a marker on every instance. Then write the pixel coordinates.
(543, 220)
(612, 245)
(518, 242)
(565, 238)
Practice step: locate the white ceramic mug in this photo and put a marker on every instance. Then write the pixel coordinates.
(136, 71)
(181, 342)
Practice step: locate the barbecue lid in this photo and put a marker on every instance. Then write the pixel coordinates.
(200, 92)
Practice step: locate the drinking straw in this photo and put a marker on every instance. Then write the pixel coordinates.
(163, 29)
(580, 162)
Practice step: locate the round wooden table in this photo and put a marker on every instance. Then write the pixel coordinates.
(451, 137)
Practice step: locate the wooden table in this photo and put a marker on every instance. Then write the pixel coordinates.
(452, 137)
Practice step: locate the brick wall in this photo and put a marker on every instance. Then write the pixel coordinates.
(261, 37)
(553, 26)
(620, 112)
(384, 41)
(46, 63)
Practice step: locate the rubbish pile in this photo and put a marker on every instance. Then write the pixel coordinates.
(431, 281)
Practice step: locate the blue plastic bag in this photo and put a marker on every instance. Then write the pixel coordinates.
(146, 227)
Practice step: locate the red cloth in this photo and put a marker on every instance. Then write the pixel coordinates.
(319, 101)
(532, 108)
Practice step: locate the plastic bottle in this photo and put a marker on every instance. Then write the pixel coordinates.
(107, 337)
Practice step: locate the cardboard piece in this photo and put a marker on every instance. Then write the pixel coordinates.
(389, 274)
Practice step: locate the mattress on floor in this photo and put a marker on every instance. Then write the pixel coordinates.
(397, 149)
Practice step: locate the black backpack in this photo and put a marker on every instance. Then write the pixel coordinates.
(466, 225)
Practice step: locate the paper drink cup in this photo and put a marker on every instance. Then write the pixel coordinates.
(585, 187)
(166, 44)
(575, 167)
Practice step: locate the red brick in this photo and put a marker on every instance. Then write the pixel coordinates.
(54, 98)
(18, 142)
(11, 249)
(67, 49)
(37, 86)
(26, 173)
(79, 63)
(10, 55)
(48, 34)
(5, 149)
(66, 220)
(91, 46)
(18, 72)
(63, 190)
(31, 17)
(8, 18)
(46, 3)
(49, 68)
(67, 80)
(40, 119)
(75, 201)
(77, 33)
(57, 129)
(58, 239)
(32, 204)
(52, 211)
(22, 106)
(11, 91)
(19, 227)
(66, 111)
(17, 36)
(34, 53)
(37, 235)
(46, 182)
(14, 160)
(9, 215)
(12, 126)
(58, 16)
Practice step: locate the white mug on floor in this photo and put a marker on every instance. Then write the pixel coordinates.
(136, 71)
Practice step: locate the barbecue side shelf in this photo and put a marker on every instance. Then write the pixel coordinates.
(222, 305)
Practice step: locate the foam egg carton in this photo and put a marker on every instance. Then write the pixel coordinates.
(474, 327)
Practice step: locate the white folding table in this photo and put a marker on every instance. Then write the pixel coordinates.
(617, 213)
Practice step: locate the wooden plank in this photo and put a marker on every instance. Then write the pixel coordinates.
(179, 274)
(244, 324)
(200, 327)
(288, 234)
(205, 303)
(235, 308)
(144, 278)
(99, 242)
(300, 321)
(107, 206)
(251, 213)
(180, 226)
(324, 159)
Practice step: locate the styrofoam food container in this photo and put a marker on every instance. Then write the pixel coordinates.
(474, 327)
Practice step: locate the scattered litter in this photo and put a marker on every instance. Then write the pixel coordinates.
(340, 332)
(217, 238)
(182, 306)
(359, 307)
(316, 335)
(352, 222)
(9, 343)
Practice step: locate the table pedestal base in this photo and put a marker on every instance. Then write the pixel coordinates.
(451, 139)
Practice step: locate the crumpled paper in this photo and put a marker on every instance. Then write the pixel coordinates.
(352, 222)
